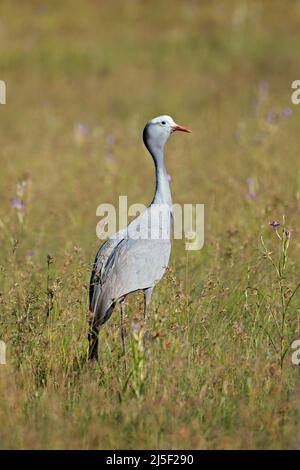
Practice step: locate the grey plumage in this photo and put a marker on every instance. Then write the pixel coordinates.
(136, 257)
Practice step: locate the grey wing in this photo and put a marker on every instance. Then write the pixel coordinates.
(101, 259)
(134, 265)
(101, 297)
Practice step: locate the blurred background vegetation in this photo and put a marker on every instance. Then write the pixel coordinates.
(82, 79)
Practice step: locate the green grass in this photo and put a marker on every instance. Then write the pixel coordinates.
(209, 373)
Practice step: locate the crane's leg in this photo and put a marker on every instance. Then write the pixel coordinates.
(93, 338)
(123, 330)
(147, 299)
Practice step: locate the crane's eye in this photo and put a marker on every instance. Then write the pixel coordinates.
(163, 122)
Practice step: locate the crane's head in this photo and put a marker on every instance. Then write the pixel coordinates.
(158, 130)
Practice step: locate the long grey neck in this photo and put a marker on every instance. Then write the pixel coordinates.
(162, 190)
(162, 193)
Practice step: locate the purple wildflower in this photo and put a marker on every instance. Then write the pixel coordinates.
(286, 112)
(274, 224)
(249, 182)
(17, 203)
(82, 128)
(29, 253)
(81, 132)
(251, 194)
(270, 116)
(110, 139)
(287, 233)
(263, 87)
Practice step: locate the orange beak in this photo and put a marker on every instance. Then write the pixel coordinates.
(177, 127)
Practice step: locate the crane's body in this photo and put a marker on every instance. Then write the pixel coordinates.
(136, 257)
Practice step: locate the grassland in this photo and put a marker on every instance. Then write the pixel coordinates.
(82, 79)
